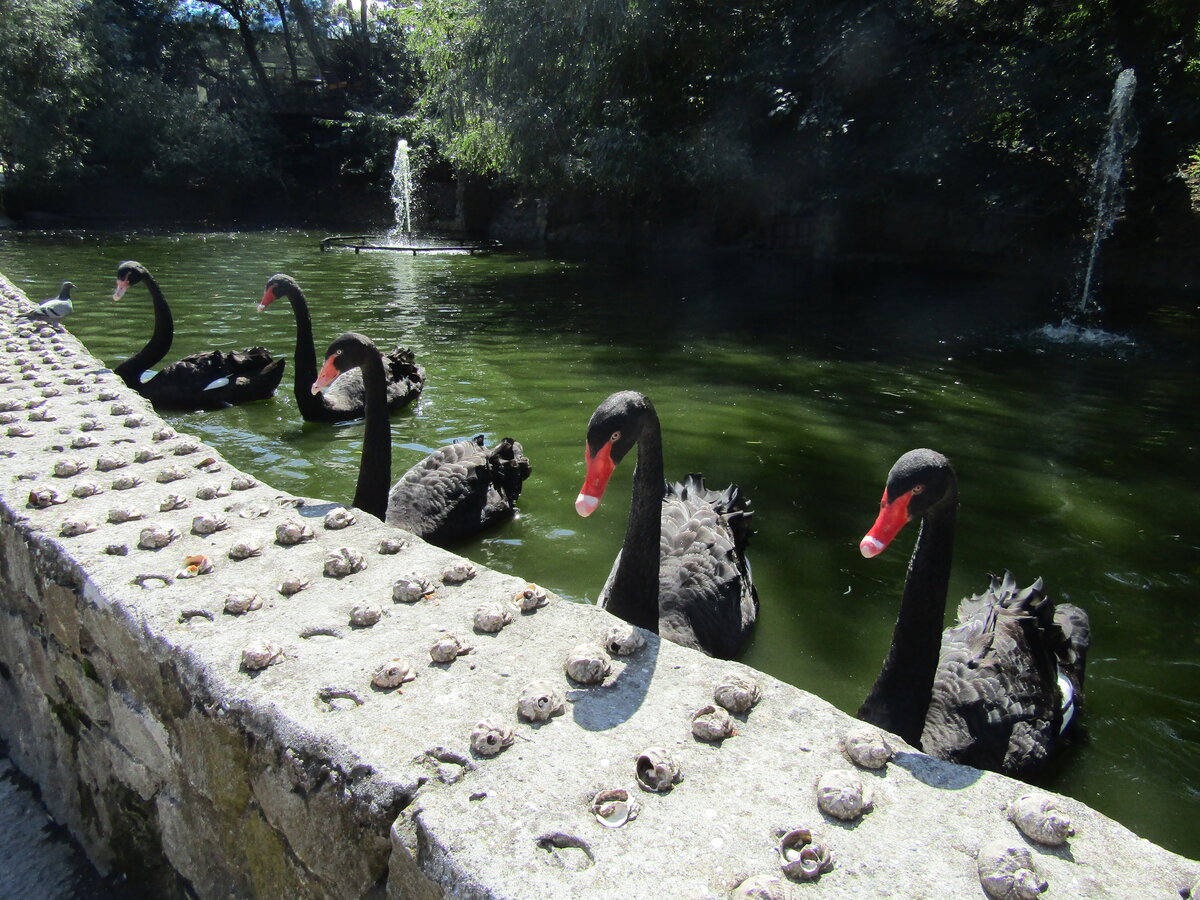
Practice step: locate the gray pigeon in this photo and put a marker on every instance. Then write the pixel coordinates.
(53, 310)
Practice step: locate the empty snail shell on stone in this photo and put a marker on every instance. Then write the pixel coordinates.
(91, 425)
(761, 887)
(290, 532)
(344, 561)
(253, 510)
(448, 647)
(42, 497)
(242, 482)
(410, 588)
(171, 473)
(657, 771)
(492, 617)
(613, 807)
(211, 492)
(531, 597)
(712, 723)
(65, 468)
(736, 693)
(197, 564)
(163, 433)
(623, 639)
(76, 527)
(539, 701)
(458, 572)
(86, 489)
(184, 447)
(83, 442)
(364, 615)
(126, 482)
(293, 584)
(393, 673)
(146, 454)
(43, 415)
(20, 431)
(489, 738)
(804, 856)
(1007, 873)
(840, 793)
(261, 654)
(109, 462)
(867, 747)
(587, 664)
(155, 537)
(245, 549)
(392, 545)
(120, 409)
(124, 514)
(1040, 819)
(242, 601)
(337, 519)
(172, 501)
(8, 418)
(208, 523)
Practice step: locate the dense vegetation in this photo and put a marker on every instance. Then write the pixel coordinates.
(726, 113)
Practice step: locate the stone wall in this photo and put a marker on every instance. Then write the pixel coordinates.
(128, 692)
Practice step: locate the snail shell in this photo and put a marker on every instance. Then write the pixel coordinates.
(109, 462)
(492, 617)
(393, 673)
(146, 454)
(121, 409)
(65, 468)
(245, 549)
(20, 431)
(126, 482)
(8, 418)
(392, 545)
(155, 537)
(211, 492)
(134, 421)
(623, 639)
(736, 694)
(184, 447)
(242, 482)
(171, 473)
(198, 564)
(337, 519)
(86, 489)
(712, 723)
(163, 433)
(1007, 873)
(410, 588)
(587, 664)
(364, 615)
(290, 532)
(43, 415)
(124, 514)
(344, 561)
(458, 572)
(489, 738)
(613, 807)
(208, 524)
(261, 654)
(840, 793)
(242, 601)
(448, 647)
(867, 747)
(531, 597)
(803, 856)
(42, 497)
(91, 425)
(293, 584)
(657, 771)
(761, 887)
(76, 527)
(172, 501)
(539, 701)
(1040, 819)
(83, 442)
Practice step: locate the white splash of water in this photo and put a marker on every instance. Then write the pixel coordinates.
(402, 188)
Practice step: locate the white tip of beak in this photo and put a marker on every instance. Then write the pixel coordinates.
(869, 547)
(586, 505)
(261, 307)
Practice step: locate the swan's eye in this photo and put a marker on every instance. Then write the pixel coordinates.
(917, 488)
(616, 436)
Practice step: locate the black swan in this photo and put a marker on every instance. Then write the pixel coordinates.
(53, 310)
(454, 492)
(682, 570)
(997, 691)
(345, 398)
(207, 380)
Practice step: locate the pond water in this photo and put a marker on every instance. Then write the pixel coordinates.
(1076, 454)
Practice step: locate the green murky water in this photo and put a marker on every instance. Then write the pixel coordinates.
(1077, 461)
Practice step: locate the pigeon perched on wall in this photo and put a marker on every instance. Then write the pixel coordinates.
(53, 310)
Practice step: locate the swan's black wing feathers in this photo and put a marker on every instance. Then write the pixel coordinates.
(240, 376)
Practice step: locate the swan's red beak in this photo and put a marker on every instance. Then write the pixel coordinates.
(892, 517)
(122, 287)
(269, 297)
(599, 469)
(326, 376)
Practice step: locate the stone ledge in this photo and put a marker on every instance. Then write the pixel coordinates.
(124, 696)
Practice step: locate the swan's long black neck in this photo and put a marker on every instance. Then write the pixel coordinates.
(375, 468)
(159, 344)
(633, 594)
(305, 357)
(899, 701)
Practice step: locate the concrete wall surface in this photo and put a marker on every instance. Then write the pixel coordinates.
(128, 692)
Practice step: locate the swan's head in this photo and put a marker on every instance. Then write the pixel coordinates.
(129, 273)
(920, 482)
(278, 286)
(347, 352)
(614, 428)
